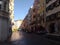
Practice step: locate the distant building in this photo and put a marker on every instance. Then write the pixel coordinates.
(17, 24)
(26, 24)
(45, 13)
(35, 17)
(38, 15)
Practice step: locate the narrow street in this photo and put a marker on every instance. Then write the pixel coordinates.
(23, 38)
(29, 22)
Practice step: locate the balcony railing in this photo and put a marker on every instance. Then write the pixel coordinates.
(50, 3)
(55, 10)
(4, 13)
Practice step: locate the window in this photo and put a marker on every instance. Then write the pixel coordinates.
(0, 0)
(47, 1)
(54, 4)
(59, 26)
(34, 16)
(0, 6)
(47, 9)
(57, 3)
(4, 5)
(58, 15)
(51, 7)
(33, 10)
(47, 18)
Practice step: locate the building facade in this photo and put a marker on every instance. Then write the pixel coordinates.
(38, 15)
(17, 24)
(34, 15)
(45, 13)
(11, 11)
(29, 18)
(5, 23)
(53, 16)
(26, 24)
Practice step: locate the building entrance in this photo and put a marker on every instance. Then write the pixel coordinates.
(52, 28)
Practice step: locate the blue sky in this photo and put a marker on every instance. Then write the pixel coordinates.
(21, 8)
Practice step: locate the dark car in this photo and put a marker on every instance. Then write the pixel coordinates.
(42, 30)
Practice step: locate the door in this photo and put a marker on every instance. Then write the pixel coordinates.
(52, 28)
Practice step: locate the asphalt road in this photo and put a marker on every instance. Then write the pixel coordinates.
(23, 38)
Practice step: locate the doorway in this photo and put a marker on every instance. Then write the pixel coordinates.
(52, 28)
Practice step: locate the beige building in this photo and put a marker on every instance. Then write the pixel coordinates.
(11, 10)
(17, 24)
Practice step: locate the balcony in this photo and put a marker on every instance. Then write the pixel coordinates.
(55, 10)
(34, 20)
(34, 14)
(4, 14)
(52, 1)
(58, 15)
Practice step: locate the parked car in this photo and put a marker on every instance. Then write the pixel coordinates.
(41, 32)
(28, 30)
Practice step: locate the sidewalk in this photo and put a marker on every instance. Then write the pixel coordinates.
(53, 34)
(55, 37)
